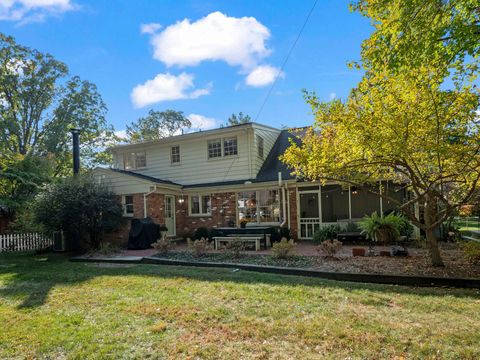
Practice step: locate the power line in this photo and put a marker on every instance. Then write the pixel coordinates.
(286, 60)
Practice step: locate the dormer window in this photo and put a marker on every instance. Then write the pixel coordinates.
(215, 148)
(222, 147)
(230, 146)
(135, 160)
(175, 154)
(260, 146)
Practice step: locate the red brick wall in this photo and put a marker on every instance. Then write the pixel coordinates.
(292, 194)
(224, 210)
(156, 207)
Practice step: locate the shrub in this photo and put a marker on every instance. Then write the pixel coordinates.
(352, 227)
(327, 232)
(381, 229)
(472, 252)
(81, 207)
(199, 247)
(201, 232)
(235, 247)
(163, 245)
(330, 247)
(284, 249)
(106, 249)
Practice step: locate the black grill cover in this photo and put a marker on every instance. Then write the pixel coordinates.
(143, 232)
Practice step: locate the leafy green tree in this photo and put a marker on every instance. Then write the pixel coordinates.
(238, 119)
(157, 125)
(82, 207)
(413, 33)
(21, 177)
(404, 128)
(39, 103)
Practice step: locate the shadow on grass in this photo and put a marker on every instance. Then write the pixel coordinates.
(30, 278)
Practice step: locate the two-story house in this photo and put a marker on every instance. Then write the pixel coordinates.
(226, 176)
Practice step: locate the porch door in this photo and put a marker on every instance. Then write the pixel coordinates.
(309, 213)
(170, 215)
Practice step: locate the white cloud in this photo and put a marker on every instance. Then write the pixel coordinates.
(200, 122)
(263, 75)
(237, 41)
(332, 96)
(150, 28)
(24, 11)
(166, 87)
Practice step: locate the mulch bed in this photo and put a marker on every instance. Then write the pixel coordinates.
(417, 265)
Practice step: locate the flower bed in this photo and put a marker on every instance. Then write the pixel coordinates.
(419, 265)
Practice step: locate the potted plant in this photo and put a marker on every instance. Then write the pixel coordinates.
(163, 231)
(243, 223)
(381, 229)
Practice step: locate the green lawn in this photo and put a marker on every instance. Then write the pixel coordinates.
(58, 309)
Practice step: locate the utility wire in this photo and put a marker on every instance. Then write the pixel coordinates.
(286, 60)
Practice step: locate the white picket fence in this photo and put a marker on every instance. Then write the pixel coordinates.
(24, 242)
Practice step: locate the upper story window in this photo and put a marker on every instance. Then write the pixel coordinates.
(214, 148)
(135, 160)
(222, 147)
(200, 205)
(260, 146)
(127, 202)
(230, 146)
(175, 154)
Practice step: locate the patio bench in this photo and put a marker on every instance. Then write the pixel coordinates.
(265, 237)
(246, 239)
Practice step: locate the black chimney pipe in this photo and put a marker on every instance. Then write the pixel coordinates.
(76, 150)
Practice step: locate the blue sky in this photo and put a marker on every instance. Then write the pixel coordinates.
(219, 61)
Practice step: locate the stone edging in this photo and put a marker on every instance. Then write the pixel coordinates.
(426, 281)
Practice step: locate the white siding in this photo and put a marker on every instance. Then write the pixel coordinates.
(269, 137)
(120, 183)
(195, 167)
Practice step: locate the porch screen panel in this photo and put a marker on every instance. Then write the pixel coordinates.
(335, 205)
(269, 206)
(309, 206)
(395, 191)
(364, 202)
(247, 206)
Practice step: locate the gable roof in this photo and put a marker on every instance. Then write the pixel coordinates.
(272, 165)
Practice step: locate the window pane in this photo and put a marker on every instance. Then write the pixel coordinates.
(269, 206)
(230, 146)
(175, 155)
(334, 203)
(128, 204)
(364, 203)
(247, 206)
(260, 146)
(195, 205)
(214, 149)
(129, 161)
(206, 205)
(140, 160)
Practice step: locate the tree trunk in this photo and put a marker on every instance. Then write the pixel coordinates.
(434, 251)
(432, 241)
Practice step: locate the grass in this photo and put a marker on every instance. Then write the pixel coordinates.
(52, 308)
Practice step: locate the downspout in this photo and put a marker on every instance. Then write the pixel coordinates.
(284, 205)
(288, 205)
(145, 200)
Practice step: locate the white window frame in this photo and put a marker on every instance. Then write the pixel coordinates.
(208, 148)
(133, 157)
(230, 147)
(125, 204)
(222, 147)
(200, 199)
(172, 155)
(257, 206)
(260, 147)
